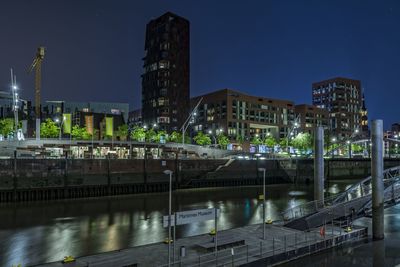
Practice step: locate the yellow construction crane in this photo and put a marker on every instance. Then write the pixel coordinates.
(37, 65)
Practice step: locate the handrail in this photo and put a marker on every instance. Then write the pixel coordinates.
(360, 189)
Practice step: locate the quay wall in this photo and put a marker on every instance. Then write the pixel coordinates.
(42, 179)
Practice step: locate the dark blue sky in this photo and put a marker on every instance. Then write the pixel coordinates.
(269, 48)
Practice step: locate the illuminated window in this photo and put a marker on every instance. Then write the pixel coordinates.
(164, 64)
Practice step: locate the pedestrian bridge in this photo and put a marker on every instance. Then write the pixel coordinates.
(355, 202)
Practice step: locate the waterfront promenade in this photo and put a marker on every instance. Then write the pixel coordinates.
(281, 244)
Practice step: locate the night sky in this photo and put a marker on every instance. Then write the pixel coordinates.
(268, 48)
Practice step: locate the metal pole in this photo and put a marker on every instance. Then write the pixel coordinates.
(273, 246)
(169, 218)
(264, 203)
(319, 165)
(216, 231)
(377, 180)
(183, 135)
(93, 137)
(173, 244)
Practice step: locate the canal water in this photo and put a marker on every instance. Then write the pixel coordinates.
(38, 232)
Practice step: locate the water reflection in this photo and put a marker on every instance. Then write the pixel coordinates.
(32, 233)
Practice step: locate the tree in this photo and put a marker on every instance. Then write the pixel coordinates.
(138, 134)
(122, 132)
(256, 141)
(283, 142)
(176, 137)
(239, 138)
(270, 141)
(302, 141)
(151, 135)
(202, 139)
(223, 140)
(49, 129)
(6, 126)
(80, 133)
(356, 148)
(160, 135)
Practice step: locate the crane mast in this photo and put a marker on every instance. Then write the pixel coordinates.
(37, 65)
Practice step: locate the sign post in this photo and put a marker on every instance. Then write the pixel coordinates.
(191, 216)
(173, 244)
(216, 231)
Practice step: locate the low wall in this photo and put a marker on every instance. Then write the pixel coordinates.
(97, 177)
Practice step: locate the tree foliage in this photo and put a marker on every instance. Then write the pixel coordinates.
(202, 139)
(151, 135)
(356, 148)
(176, 137)
(6, 126)
(256, 140)
(160, 135)
(283, 142)
(302, 141)
(49, 129)
(122, 131)
(223, 140)
(80, 133)
(239, 138)
(138, 134)
(270, 141)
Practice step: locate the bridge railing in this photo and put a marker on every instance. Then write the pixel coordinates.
(307, 208)
(360, 189)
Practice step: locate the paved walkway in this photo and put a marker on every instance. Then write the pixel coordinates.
(278, 239)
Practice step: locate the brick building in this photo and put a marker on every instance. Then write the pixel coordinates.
(342, 98)
(309, 117)
(239, 114)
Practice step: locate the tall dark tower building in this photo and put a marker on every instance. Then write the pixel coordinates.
(364, 118)
(165, 81)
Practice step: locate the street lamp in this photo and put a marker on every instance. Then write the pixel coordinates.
(189, 119)
(169, 172)
(215, 139)
(333, 144)
(263, 170)
(291, 131)
(57, 120)
(349, 144)
(14, 89)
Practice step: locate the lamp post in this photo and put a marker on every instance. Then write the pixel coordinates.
(263, 170)
(61, 124)
(211, 134)
(291, 131)
(14, 89)
(169, 172)
(333, 146)
(189, 120)
(349, 145)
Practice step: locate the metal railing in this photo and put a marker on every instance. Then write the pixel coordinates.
(284, 247)
(358, 190)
